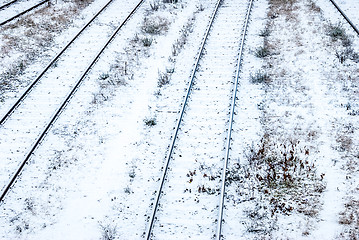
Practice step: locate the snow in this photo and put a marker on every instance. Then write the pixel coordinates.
(52, 90)
(287, 107)
(97, 170)
(350, 9)
(15, 9)
(200, 143)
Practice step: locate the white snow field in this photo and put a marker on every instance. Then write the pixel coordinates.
(294, 155)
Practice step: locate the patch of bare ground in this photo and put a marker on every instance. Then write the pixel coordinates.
(39, 29)
(286, 8)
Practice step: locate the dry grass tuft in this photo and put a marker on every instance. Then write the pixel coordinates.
(313, 6)
(155, 25)
(350, 219)
(279, 179)
(283, 7)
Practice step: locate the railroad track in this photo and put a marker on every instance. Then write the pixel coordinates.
(18, 14)
(29, 120)
(7, 4)
(189, 202)
(345, 16)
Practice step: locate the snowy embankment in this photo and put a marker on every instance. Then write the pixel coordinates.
(295, 175)
(295, 143)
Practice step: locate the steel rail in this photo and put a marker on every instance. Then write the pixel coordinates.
(229, 134)
(345, 16)
(8, 4)
(28, 90)
(66, 101)
(179, 121)
(22, 13)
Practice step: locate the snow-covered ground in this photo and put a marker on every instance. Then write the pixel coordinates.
(299, 108)
(188, 206)
(95, 175)
(43, 101)
(350, 8)
(15, 8)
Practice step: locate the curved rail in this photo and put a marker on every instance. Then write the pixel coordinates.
(65, 102)
(174, 137)
(28, 90)
(228, 142)
(7, 4)
(345, 17)
(26, 11)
